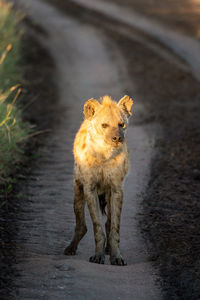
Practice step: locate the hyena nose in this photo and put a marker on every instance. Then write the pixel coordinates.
(117, 139)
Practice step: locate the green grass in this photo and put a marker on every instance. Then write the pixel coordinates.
(13, 131)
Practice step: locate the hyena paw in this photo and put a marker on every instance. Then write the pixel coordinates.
(98, 259)
(118, 261)
(70, 250)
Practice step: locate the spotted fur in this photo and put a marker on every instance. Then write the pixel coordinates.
(101, 164)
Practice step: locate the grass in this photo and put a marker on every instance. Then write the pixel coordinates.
(13, 130)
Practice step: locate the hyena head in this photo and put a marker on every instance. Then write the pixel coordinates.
(108, 120)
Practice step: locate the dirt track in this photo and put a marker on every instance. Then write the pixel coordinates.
(46, 220)
(85, 60)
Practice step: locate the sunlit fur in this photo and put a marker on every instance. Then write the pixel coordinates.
(91, 144)
(101, 163)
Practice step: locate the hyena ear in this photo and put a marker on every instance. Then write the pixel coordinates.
(125, 105)
(90, 108)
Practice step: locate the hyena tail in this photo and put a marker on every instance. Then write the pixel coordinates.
(102, 202)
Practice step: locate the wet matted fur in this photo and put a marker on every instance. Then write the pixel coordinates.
(101, 163)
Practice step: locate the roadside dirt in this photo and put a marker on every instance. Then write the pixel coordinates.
(179, 15)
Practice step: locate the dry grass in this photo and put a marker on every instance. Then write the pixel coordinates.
(12, 128)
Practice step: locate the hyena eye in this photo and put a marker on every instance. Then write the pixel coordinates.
(123, 125)
(104, 125)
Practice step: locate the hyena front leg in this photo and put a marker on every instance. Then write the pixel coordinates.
(108, 223)
(80, 229)
(114, 238)
(94, 209)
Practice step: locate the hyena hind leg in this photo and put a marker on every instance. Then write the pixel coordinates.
(79, 210)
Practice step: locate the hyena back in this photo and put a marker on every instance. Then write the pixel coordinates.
(101, 163)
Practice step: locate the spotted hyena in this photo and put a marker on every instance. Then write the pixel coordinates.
(101, 163)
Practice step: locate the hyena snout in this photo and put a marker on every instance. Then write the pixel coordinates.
(117, 137)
